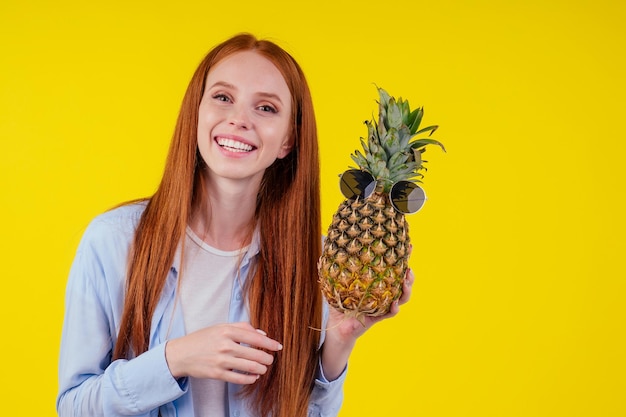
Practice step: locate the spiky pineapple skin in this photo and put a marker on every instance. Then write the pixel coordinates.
(364, 257)
(361, 273)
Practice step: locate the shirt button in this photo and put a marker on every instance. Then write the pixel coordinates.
(238, 298)
(236, 413)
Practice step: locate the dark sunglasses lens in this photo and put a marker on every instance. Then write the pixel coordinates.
(355, 183)
(407, 197)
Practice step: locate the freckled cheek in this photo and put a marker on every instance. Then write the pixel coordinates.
(202, 133)
(276, 133)
(205, 126)
(204, 138)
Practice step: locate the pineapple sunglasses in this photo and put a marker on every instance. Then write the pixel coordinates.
(406, 197)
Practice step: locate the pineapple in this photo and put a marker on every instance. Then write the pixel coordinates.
(365, 254)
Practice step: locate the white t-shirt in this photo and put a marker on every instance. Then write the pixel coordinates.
(207, 279)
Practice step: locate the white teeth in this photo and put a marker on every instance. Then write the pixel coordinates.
(233, 145)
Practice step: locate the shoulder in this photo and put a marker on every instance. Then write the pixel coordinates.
(126, 216)
(113, 228)
(120, 219)
(101, 258)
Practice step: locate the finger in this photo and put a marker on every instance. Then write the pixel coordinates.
(409, 277)
(407, 287)
(243, 325)
(241, 359)
(249, 367)
(395, 309)
(240, 378)
(243, 342)
(252, 354)
(245, 334)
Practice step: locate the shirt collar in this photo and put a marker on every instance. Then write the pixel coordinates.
(253, 250)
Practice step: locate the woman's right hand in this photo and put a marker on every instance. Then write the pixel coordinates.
(228, 352)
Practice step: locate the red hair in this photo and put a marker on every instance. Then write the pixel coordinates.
(283, 295)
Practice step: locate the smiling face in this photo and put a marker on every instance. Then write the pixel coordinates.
(244, 120)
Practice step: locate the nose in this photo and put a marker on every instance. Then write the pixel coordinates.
(239, 117)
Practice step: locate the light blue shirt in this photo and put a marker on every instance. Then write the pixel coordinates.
(90, 384)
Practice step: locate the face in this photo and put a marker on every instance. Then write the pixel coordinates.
(244, 117)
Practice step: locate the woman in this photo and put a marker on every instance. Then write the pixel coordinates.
(203, 300)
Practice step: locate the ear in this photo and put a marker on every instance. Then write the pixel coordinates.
(286, 147)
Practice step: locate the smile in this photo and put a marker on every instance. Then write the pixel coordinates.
(234, 145)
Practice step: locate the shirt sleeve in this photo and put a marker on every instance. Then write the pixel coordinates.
(90, 384)
(327, 396)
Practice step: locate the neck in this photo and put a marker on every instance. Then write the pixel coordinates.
(225, 220)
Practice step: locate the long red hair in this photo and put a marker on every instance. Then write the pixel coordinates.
(283, 295)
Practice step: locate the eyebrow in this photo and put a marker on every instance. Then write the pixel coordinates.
(262, 94)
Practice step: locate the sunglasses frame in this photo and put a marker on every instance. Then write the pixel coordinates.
(369, 188)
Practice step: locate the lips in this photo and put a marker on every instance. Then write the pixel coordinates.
(234, 145)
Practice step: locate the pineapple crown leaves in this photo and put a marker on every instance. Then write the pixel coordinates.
(393, 152)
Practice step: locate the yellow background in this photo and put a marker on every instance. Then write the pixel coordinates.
(518, 307)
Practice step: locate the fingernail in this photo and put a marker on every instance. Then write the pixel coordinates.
(262, 332)
(280, 347)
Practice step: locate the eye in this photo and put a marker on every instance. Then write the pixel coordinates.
(268, 108)
(221, 97)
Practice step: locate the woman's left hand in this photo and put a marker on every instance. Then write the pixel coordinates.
(343, 331)
(351, 328)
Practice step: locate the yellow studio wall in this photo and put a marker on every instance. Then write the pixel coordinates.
(518, 307)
